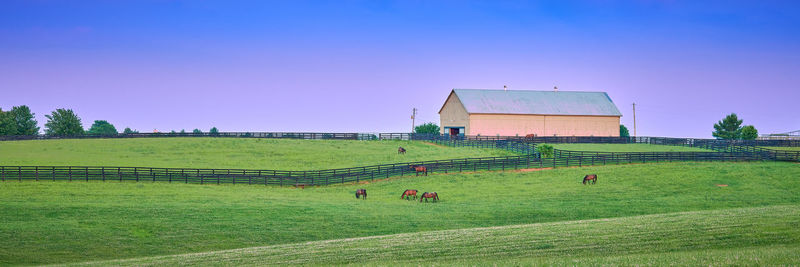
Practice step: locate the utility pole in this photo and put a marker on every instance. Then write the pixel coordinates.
(413, 116)
(634, 119)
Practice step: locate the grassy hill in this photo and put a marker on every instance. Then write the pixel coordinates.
(58, 222)
(242, 153)
(763, 235)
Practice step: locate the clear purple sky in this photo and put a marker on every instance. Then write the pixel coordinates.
(362, 65)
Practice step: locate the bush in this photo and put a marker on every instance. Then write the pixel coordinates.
(427, 128)
(101, 127)
(545, 150)
(623, 131)
(749, 132)
(129, 131)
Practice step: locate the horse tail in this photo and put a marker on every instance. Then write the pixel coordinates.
(356, 194)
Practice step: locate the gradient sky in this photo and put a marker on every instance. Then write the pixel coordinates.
(361, 66)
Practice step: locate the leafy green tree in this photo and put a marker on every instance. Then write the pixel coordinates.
(427, 128)
(101, 127)
(24, 119)
(129, 131)
(749, 132)
(623, 131)
(545, 150)
(7, 124)
(729, 128)
(197, 131)
(63, 122)
(183, 131)
(213, 131)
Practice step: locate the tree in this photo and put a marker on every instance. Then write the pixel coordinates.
(729, 128)
(7, 124)
(545, 150)
(63, 122)
(183, 131)
(129, 131)
(213, 131)
(197, 131)
(749, 132)
(102, 127)
(623, 131)
(427, 128)
(24, 119)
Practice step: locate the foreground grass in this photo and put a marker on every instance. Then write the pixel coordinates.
(627, 148)
(242, 153)
(672, 236)
(58, 222)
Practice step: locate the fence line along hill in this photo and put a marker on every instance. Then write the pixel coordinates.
(723, 150)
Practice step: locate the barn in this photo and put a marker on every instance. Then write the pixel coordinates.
(523, 112)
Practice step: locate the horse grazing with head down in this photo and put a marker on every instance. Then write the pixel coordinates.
(401, 150)
(408, 193)
(361, 192)
(419, 169)
(432, 195)
(591, 179)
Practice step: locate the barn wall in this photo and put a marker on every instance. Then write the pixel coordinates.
(453, 114)
(543, 125)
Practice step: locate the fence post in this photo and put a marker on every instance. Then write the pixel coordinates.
(103, 173)
(3, 173)
(69, 172)
(37, 173)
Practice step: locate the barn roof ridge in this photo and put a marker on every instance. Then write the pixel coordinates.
(500, 101)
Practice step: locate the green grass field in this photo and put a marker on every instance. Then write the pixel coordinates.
(61, 222)
(627, 148)
(737, 235)
(242, 153)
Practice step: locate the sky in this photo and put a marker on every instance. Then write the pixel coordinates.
(361, 66)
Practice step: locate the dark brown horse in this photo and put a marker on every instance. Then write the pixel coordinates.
(432, 195)
(419, 169)
(401, 150)
(361, 192)
(408, 193)
(591, 178)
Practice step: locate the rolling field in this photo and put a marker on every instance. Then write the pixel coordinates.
(627, 148)
(679, 237)
(234, 153)
(61, 222)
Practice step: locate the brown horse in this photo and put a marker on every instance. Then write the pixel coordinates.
(530, 136)
(361, 192)
(419, 169)
(401, 150)
(591, 178)
(432, 195)
(408, 193)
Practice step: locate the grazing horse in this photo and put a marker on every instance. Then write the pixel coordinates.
(361, 192)
(419, 169)
(432, 195)
(591, 178)
(401, 150)
(408, 193)
(530, 136)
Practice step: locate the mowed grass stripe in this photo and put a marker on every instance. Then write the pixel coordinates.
(673, 232)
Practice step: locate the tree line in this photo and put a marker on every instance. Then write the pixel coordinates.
(21, 121)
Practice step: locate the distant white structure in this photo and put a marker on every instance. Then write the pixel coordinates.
(793, 135)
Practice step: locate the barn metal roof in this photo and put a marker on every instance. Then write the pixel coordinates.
(537, 102)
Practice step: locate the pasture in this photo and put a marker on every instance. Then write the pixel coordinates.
(241, 153)
(62, 222)
(626, 148)
(783, 148)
